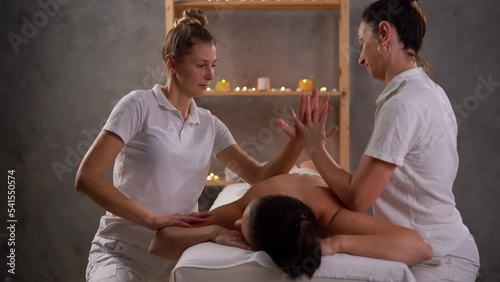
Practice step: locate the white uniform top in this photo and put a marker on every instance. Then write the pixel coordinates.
(415, 128)
(165, 161)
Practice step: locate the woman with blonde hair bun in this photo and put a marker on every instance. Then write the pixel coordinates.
(161, 144)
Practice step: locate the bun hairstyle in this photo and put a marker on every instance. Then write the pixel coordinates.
(409, 21)
(192, 16)
(287, 230)
(188, 31)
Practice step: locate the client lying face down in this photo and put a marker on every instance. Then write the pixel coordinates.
(295, 219)
(286, 229)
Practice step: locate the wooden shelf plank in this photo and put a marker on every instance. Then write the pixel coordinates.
(266, 94)
(260, 5)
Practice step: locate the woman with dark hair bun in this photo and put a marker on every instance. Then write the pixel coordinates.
(296, 219)
(411, 161)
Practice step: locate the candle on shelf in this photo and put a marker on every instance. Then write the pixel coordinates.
(282, 89)
(237, 89)
(322, 89)
(223, 85)
(212, 176)
(263, 83)
(244, 88)
(306, 84)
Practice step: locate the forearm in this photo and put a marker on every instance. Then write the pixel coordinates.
(282, 162)
(404, 246)
(170, 242)
(335, 177)
(99, 189)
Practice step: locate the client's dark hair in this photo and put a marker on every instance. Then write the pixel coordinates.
(286, 229)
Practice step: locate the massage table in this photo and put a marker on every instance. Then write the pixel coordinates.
(210, 262)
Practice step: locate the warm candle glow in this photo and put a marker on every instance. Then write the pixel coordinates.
(223, 85)
(306, 84)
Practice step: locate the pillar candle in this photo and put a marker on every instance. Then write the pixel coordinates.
(306, 84)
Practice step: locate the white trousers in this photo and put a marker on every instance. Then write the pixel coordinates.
(118, 261)
(461, 265)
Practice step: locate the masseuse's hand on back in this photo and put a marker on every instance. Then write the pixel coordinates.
(91, 180)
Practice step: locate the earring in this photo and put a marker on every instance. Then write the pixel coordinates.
(388, 49)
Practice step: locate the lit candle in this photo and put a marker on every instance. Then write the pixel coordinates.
(306, 84)
(223, 85)
(282, 88)
(322, 89)
(237, 89)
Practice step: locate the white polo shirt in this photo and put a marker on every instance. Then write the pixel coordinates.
(415, 128)
(165, 161)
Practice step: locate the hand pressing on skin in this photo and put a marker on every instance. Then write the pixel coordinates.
(178, 219)
(232, 238)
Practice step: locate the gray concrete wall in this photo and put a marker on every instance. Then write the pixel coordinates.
(63, 68)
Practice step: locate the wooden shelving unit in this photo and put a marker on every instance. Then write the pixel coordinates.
(173, 10)
(266, 94)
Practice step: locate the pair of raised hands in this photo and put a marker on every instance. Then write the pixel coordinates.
(309, 124)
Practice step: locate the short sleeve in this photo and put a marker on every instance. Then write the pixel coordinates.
(127, 116)
(223, 137)
(398, 125)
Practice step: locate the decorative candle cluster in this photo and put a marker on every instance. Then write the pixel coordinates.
(212, 176)
(263, 83)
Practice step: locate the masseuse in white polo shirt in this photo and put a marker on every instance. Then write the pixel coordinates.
(161, 143)
(411, 161)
